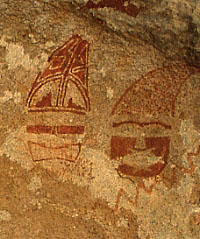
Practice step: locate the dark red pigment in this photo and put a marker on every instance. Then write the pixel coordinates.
(130, 9)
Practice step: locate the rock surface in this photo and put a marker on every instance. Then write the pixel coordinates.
(172, 26)
(100, 119)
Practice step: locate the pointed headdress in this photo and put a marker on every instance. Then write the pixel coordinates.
(155, 93)
(68, 64)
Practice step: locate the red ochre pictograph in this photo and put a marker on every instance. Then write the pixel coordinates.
(63, 86)
(152, 95)
(149, 161)
(142, 124)
(67, 152)
(61, 129)
(63, 159)
(123, 6)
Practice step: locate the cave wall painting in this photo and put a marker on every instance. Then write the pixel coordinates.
(144, 122)
(62, 87)
(145, 130)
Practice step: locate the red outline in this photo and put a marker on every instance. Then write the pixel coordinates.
(67, 71)
(185, 70)
(141, 124)
(158, 178)
(65, 146)
(159, 145)
(32, 109)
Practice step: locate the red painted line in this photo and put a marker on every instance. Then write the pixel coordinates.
(142, 124)
(55, 110)
(62, 129)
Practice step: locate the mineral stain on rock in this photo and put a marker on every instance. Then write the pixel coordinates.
(123, 6)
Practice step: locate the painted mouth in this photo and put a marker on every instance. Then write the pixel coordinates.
(41, 152)
(153, 170)
(142, 163)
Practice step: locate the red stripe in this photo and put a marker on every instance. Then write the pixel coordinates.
(62, 129)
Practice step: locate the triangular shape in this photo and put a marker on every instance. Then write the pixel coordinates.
(45, 96)
(73, 98)
(68, 62)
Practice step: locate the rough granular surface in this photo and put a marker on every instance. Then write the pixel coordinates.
(99, 130)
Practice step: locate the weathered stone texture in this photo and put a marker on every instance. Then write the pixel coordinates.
(172, 26)
(100, 119)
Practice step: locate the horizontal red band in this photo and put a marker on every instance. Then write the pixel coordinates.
(62, 129)
(142, 124)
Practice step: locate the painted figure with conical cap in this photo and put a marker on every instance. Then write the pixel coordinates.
(155, 93)
(146, 125)
(63, 85)
(148, 104)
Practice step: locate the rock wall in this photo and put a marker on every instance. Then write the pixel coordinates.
(99, 133)
(169, 25)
